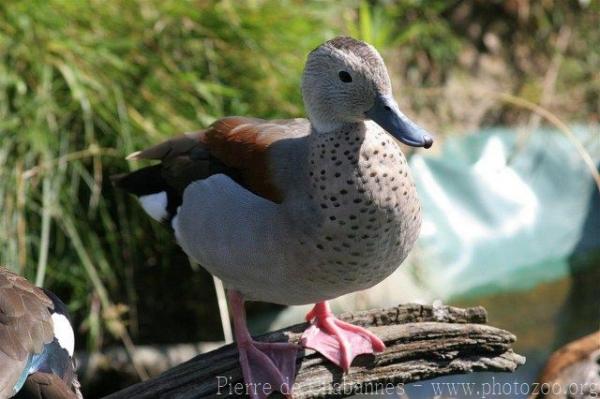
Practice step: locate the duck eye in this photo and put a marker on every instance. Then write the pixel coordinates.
(345, 77)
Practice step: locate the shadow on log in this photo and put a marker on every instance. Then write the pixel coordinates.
(422, 342)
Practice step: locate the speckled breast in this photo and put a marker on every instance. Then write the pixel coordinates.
(368, 212)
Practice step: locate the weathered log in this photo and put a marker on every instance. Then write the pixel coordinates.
(422, 342)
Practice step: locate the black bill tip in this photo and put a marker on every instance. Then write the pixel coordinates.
(427, 141)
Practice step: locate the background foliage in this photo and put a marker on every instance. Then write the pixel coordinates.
(83, 83)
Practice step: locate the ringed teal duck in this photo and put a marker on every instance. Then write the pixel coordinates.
(36, 342)
(295, 211)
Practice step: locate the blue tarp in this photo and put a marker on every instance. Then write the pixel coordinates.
(498, 218)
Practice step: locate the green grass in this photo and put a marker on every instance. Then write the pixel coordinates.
(83, 83)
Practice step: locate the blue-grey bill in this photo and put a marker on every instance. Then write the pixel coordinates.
(386, 114)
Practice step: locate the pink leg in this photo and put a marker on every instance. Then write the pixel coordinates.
(337, 340)
(266, 366)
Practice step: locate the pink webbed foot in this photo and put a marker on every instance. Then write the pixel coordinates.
(266, 366)
(337, 340)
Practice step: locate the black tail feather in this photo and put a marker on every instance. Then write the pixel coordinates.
(147, 181)
(144, 181)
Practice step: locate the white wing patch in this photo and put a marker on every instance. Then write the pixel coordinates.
(63, 332)
(155, 205)
(175, 224)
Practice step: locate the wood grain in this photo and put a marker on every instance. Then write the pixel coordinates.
(422, 342)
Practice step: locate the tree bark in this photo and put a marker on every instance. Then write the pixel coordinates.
(422, 342)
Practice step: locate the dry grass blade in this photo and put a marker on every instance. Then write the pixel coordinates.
(114, 320)
(553, 119)
(91, 152)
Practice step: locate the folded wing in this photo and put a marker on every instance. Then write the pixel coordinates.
(238, 147)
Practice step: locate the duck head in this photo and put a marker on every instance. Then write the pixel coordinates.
(345, 81)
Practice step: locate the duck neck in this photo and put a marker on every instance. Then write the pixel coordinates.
(334, 155)
(337, 143)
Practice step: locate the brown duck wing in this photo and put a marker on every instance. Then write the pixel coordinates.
(45, 386)
(243, 144)
(235, 146)
(25, 325)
